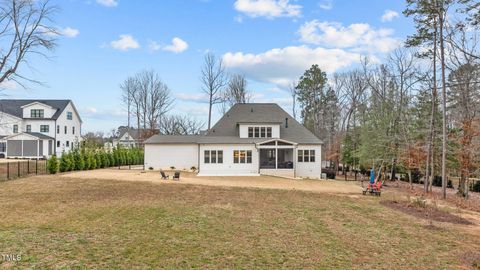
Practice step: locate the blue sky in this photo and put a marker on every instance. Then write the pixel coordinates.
(270, 41)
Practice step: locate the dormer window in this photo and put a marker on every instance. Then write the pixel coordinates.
(260, 132)
(36, 113)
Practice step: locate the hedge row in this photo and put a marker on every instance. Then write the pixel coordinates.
(88, 159)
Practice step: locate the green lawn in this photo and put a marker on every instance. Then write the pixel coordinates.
(78, 224)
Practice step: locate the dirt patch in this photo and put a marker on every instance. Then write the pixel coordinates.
(262, 182)
(471, 259)
(427, 212)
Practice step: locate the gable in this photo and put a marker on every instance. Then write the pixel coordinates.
(290, 129)
(14, 106)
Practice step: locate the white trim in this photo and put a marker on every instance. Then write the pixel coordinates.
(11, 115)
(36, 102)
(276, 140)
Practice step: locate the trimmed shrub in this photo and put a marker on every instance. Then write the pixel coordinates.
(99, 160)
(79, 161)
(105, 160)
(65, 163)
(52, 165)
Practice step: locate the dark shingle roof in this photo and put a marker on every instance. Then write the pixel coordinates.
(40, 135)
(263, 113)
(226, 130)
(134, 133)
(14, 106)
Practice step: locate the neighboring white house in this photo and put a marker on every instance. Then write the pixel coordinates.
(250, 139)
(38, 128)
(127, 138)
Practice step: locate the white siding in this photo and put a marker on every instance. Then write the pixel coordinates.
(48, 112)
(35, 126)
(62, 121)
(244, 129)
(228, 167)
(6, 124)
(163, 156)
(309, 169)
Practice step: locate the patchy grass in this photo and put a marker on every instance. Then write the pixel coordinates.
(70, 223)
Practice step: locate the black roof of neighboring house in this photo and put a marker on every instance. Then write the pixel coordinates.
(14, 106)
(226, 130)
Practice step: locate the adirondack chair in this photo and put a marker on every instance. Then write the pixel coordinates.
(164, 176)
(176, 176)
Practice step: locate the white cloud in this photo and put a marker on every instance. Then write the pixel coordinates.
(9, 85)
(124, 43)
(108, 3)
(192, 97)
(103, 114)
(268, 8)
(154, 46)
(359, 37)
(69, 32)
(389, 15)
(283, 65)
(239, 19)
(178, 45)
(326, 4)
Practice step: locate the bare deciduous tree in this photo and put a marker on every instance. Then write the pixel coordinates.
(180, 125)
(149, 98)
(25, 29)
(213, 80)
(293, 93)
(236, 92)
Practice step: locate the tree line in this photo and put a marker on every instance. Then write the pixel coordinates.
(417, 112)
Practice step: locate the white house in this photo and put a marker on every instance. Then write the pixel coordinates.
(38, 128)
(250, 139)
(127, 138)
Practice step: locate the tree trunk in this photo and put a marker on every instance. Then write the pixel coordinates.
(429, 173)
(210, 112)
(410, 178)
(444, 108)
(462, 187)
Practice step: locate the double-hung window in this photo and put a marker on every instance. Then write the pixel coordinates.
(259, 132)
(44, 128)
(250, 132)
(306, 155)
(29, 128)
(15, 128)
(213, 156)
(242, 156)
(69, 115)
(36, 113)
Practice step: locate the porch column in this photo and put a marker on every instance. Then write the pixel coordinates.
(276, 158)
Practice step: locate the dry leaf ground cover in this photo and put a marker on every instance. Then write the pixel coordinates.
(73, 222)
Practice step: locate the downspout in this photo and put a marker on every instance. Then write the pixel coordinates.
(295, 160)
(258, 154)
(55, 142)
(198, 158)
